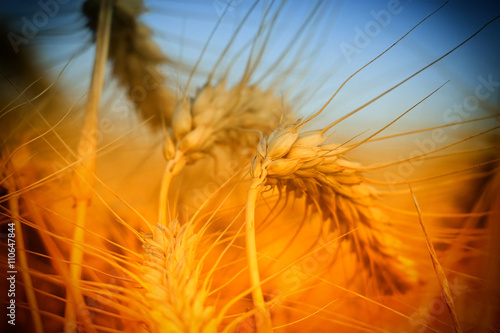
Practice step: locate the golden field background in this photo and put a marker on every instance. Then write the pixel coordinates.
(129, 180)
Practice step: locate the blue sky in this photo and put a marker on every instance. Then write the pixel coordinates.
(368, 27)
(341, 23)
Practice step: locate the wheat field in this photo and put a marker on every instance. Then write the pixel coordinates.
(250, 166)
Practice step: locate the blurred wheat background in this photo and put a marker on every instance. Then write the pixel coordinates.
(250, 166)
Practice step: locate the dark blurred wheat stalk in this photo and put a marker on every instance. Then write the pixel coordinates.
(298, 235)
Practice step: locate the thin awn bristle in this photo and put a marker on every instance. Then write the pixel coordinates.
(359, 70)
(400, 83)
(440, 274)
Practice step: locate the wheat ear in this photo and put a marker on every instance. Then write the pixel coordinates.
(83, 176)
(301, 163)
(172, 281)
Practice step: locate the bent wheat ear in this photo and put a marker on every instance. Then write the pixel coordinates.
(135, 59)
(302, 164)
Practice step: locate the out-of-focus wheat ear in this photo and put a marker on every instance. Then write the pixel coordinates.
(10, 185)
(135, 58)
(441, 276)
(84, 171)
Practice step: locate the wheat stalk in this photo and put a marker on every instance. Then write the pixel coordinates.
(253, 267)
(83, 177)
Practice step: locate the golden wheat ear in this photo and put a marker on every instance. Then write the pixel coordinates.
(303, 163)
(173, 287)
(136, 58)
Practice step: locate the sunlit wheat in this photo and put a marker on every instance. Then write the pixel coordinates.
(194, 184)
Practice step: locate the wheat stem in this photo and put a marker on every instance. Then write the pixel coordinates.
(83, 177)
(262, 313)
(172, 169)
(75, 298)
(164, 187)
